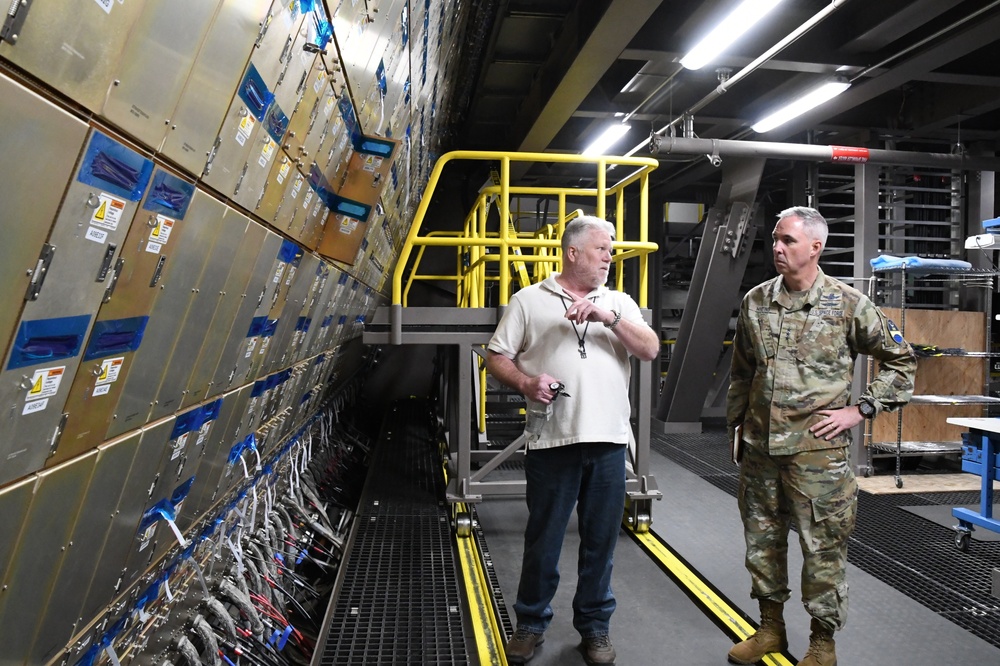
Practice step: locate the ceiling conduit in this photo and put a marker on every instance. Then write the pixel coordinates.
(716, 149)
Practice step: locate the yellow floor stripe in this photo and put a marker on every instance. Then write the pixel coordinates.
(708, 599)
(488, 641)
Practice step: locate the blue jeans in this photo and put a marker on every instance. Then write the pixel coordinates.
(591, 476)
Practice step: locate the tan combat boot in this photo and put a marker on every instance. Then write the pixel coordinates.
(769, 638)
(821, 646)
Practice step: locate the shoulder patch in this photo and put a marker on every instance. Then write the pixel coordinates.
(894, 332)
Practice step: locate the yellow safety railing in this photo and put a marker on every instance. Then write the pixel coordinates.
(477, 247)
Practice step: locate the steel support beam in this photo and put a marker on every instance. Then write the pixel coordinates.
(718, 272)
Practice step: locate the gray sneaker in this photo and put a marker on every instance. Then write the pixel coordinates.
(521, 646)
(598, 650)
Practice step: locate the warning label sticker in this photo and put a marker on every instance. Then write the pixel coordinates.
(106, 5)
(160, 234)
(266, 152)
(45, 382)
(110, 367)
(44, 385)
(347, 224)
(283, 172)
(245, 129)
(108, 213)
(372, 163)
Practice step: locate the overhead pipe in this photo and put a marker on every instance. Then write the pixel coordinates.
(716, 149)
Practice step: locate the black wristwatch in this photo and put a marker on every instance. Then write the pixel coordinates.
(867, 409)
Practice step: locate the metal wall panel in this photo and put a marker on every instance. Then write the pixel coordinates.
(280, 179)
(195, 328)
(256, 292)
(63, 616)
(216, 72)
(57, 317)
(47, 142)
(268, 308)
(124, 314)
(76, 52)
(179, 279)
(237, 139)
(265, 149)
(45, 538)
(14, 502)
(224, 166)
(274, 47)
(144, 544)
(157, 60)
(295, 322)
(307, 109)
(234, 294)
(132, 465)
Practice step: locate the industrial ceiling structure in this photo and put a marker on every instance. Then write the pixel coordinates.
(549, 75)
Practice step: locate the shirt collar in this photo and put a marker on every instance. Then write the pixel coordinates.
(550, 284)
(784, 298)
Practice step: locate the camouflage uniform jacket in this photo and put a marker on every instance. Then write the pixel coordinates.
(794, 354)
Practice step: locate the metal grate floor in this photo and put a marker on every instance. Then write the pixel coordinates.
(913, 555)
(399, 601)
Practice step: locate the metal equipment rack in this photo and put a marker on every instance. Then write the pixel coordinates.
(893, 287)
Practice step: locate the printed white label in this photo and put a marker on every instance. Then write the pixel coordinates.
(108, 213)
(106, 5)
(101, 390)
(96, 235)
(160, 234)
(297, 186)
(35, 406)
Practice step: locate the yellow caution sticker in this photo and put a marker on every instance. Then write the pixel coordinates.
(44, 384)
(159, 234)
(245, 128)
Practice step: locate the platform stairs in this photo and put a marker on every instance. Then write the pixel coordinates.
(480, 421)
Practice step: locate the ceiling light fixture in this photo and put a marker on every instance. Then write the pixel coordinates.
(728, 31)
(801, 104)
(608, 138)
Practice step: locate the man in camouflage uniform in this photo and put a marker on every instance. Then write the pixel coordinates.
(797, 337)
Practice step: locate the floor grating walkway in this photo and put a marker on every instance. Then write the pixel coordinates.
(398, 601)
(910, 553)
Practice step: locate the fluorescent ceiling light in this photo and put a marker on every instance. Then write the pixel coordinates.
(728, 31)
(608, 138)
(800, 105)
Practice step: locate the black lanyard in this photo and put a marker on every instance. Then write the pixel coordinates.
(580, 339)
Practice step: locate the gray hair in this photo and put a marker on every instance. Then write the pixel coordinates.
(814, 224)
(584, 224)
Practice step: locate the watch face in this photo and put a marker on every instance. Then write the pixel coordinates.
(867, 409)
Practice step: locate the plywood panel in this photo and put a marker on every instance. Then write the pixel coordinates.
(939, 375)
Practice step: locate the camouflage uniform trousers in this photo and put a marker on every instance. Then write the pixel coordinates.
(816, 492)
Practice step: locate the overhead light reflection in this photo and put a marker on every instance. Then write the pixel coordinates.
(800, 105)
(607, 138)
(741, 19)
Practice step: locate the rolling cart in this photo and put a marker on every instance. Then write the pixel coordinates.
(980, 455)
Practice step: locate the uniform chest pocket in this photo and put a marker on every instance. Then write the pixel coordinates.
(824, 346)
